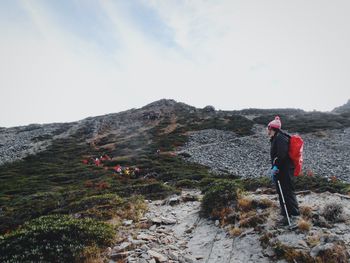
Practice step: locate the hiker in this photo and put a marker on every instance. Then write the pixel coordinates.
(282, 169)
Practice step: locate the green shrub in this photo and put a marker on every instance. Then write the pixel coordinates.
(320, 184)
(220, 195)
(101, 207)
(187, 183)
(58, 238)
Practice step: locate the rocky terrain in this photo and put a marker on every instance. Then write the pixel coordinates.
(326, 153)
(168, 140)
(173, 231)
(17, 143)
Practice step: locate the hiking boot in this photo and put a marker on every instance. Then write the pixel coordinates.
(294, 222)
(282, 221)
(294, 219)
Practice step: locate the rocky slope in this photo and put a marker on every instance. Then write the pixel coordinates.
(326, 153)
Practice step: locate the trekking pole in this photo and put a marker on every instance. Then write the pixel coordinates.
(284, 203)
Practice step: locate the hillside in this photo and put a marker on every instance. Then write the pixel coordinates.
(343, 109)
(151, 153)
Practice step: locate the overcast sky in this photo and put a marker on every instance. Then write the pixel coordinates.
(69, 59)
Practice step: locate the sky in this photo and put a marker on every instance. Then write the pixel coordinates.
(66, 60)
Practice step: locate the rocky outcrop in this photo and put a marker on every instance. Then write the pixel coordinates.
(342, 109)
(172, 231)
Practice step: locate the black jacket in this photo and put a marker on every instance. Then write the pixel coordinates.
(279, 152)
(280, 158)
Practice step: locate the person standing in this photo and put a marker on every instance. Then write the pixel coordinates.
(282, 169)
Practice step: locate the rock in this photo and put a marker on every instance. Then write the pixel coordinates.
(120, 255)
(145, 256)
(159, 257)
(122, 247)
(320, 248)
(153, 227)
(217, 223)
(174, 255)
(136, 242)
(144, 236)
(156, 220)
(302, 243)
(144, 247)
(188, 259)
(127, 222)
(189, 198)
(168, 221)
(173, 201)
(209, 108)
(173, 247)
(269, 252)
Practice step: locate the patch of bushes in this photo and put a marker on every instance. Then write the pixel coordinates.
(320, 184)
(55, 238)
(151, 189)
(186, 183)
(220, 195)
(102, 207)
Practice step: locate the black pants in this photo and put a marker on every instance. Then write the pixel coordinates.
(285, 180)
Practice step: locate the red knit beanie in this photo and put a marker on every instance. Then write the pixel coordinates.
(276, 123)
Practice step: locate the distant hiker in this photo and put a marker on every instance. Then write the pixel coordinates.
(97, 162)
(282, 169)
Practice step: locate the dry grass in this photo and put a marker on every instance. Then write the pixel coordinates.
(293, 255)
(304, 225)
(305, 211)
(235, 231)
(263, 203)
(313, 240)
(337, 254)
(91, 255)
(252, 219)
(245, 204)
(226, 215)
(265, 238)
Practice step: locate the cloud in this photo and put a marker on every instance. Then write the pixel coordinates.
(66, 60)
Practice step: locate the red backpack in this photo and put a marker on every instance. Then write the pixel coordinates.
(295, 152)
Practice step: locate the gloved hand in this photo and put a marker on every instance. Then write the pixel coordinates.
(273, 172)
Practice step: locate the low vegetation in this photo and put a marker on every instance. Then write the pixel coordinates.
(221, 195)
(56, 238)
